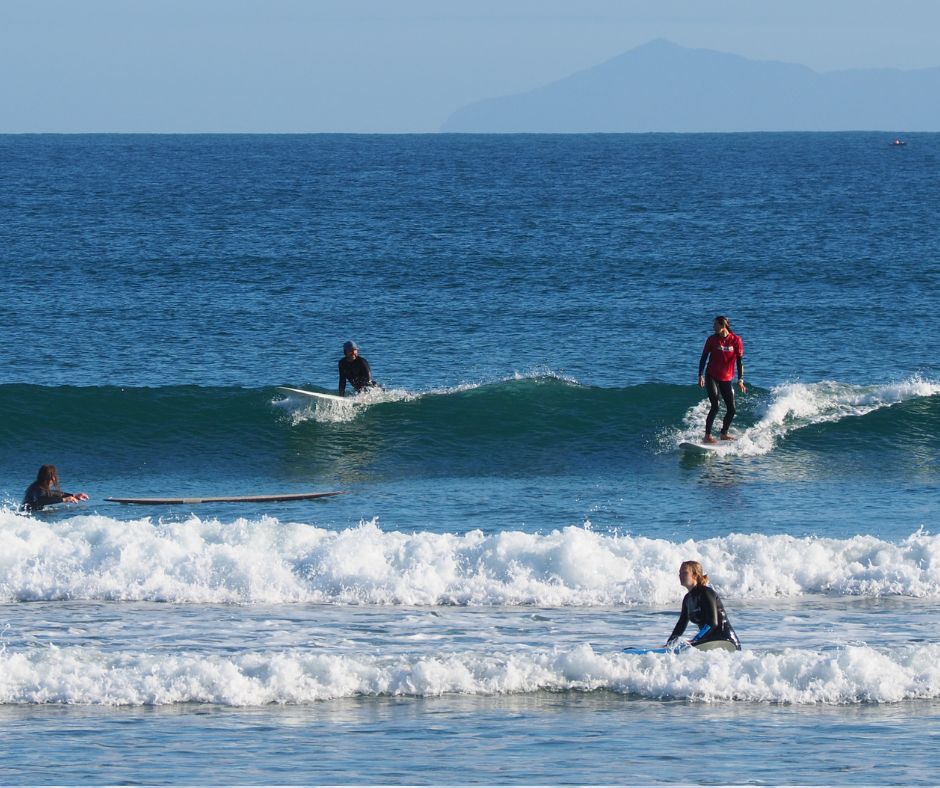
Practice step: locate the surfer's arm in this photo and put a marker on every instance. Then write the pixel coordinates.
(37, 502)
(741, 374)
(38, 499)
(367, 372)
(680, 626)
(342, 379)
(701, 366)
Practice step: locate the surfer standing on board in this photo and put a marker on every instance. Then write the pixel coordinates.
(723, 351)
(703, 608)
(45, 491)
(354, 369)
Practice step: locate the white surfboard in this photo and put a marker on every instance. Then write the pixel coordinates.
(700, 448)
(315, 395)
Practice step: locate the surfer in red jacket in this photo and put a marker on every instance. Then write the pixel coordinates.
(723, 351)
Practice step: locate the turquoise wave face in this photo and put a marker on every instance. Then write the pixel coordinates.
(538, 425)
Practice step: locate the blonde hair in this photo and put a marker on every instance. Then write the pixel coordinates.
(697, 572)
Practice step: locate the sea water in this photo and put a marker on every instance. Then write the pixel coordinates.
(516, 503)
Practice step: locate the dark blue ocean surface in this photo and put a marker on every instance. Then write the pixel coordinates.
(247, 260)
(518, 501)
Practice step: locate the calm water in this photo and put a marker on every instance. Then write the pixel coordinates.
(517, 503)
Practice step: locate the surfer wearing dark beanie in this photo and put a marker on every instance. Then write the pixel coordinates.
(354, 369)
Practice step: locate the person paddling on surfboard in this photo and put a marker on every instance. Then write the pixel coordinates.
(45, 491)
(354, 369)
(723, 351)
(703, 608)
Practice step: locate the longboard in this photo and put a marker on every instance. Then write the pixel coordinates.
(229, 498)
(314, 394)
(701, 448)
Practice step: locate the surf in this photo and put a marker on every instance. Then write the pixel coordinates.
(85, 675)
(819, 415)
(267, 561)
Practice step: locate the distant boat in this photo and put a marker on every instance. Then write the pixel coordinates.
(898, 143)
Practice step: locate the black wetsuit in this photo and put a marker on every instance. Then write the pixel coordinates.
(38, 496)
(703, 608)
(357, 372)
(726, 389)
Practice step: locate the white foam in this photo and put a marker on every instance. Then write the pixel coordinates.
(848, 675)
(793, 406)
(302, 409)
(267, 561)
(349, 409)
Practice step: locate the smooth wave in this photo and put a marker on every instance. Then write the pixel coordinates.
(848, 675)
(265, 561)
(514, 423)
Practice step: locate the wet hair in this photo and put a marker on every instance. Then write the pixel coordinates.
(48, 477)
(723, 322)
(696, 569)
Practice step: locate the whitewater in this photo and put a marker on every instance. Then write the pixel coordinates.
(265, 561)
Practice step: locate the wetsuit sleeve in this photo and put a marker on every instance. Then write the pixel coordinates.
(740, 358)
(342, 377)
(366, 372)
(703, 359)
(682, 623)
(35, 498)
(709, 614)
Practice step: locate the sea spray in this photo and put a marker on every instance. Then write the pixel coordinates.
(266, 561)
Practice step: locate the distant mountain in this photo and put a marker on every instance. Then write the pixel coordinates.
(664, 87)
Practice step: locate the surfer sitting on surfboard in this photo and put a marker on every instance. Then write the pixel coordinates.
(723, 351)
(703, 608)
(45, 491)
(355, 369)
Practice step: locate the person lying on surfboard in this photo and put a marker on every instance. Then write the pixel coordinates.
(723, 351)
(45, 491)
(703, 608)
(354, 369)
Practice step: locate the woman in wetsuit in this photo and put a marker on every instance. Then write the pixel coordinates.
(703, 608)
(723, 352)
(45, 491)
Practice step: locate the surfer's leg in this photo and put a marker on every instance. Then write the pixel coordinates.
(711, 386)
(727, 394)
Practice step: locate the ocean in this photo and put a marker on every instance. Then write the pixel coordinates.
(516, 504)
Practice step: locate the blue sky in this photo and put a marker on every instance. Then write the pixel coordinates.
(392, 66)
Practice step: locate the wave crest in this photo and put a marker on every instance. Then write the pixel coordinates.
(848, 675)
(791, 407)
(265, 561)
